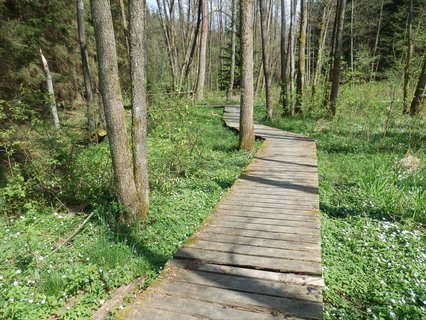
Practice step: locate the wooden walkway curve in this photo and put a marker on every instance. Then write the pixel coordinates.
(258, 255)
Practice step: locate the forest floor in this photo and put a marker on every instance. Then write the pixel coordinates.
(372, 192)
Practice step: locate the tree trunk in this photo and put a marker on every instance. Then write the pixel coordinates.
(376, 42)
(352, 37)
(284, 80)
(125, 26)
(321, 42)
(337, 55)
(114, 112)
(302, 56)
(203, 50)
(419, 94)
(233, 45)
(291, 53)
(407, 61)
(139, 103)
(90, 101)
(246, 102)
(51, 92)
(265, 59)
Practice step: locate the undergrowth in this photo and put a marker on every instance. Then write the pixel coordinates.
(193, 160)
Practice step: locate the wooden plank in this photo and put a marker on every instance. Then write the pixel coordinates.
(283, 215)
(250, 285)
(261, 234)
(275, 222)
(258, 251)
(202, 309)
(308, 211)
(142, 311)
(232, 198)
(282, 265)
(301, 308)
(269, 243)
(269, 228)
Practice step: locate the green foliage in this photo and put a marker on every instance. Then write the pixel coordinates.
(372, 197)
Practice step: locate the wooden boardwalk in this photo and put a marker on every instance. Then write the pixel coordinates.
(258, 254)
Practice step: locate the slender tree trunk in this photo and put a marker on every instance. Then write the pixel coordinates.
(51, 92)
(203, 50)
(125, 26)
(321, 42)
(407, 61)
(419, 94)
(114, 112)
(265, 59)
(284, 81)
(302, 55)
(90, 101)
(233, 45)
(139, 103)
(291, 53)
(246, 101)
(337, 56)
(352, 36)
(376, 42)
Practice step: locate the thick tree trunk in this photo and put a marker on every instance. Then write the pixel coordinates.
(265, 59)
(114, 112)
(90, 101)
(302, 55)
(337, 56)
(246, 101)
(419, 94)
(376, 43)
(233, 45)
(51, 92)
(203, 50)
(139, 103)
(407, 61)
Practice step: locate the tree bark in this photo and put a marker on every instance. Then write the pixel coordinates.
(302, 56)
(337, 56)
(139, 103)
(114, 112)
(125, 26)
(203, 50)
(291, 53)
(265, 59)
(321, 42)
(407, 60)
(284, 53)
(90, 101)
(246, 102)
(51, 92)
(352, 36)
(233, 45)
(419, 94)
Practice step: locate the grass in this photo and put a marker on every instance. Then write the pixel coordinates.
(193, 160)
(373, 204)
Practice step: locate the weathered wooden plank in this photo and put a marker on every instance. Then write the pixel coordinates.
(250, 285)
(275, 222)
(261, 234)
(270, 243)
(140, 311)
(276, 264)
(310, 210)
(269, 228)
(258, 251)
(282, 215)
(286, 306)
(208, 310)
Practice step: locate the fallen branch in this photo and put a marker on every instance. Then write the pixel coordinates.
(81, 226)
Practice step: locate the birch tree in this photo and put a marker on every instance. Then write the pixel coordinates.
(203, 50)
(302, 55)
(265, 58)
(233, 46)
(50, 92)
